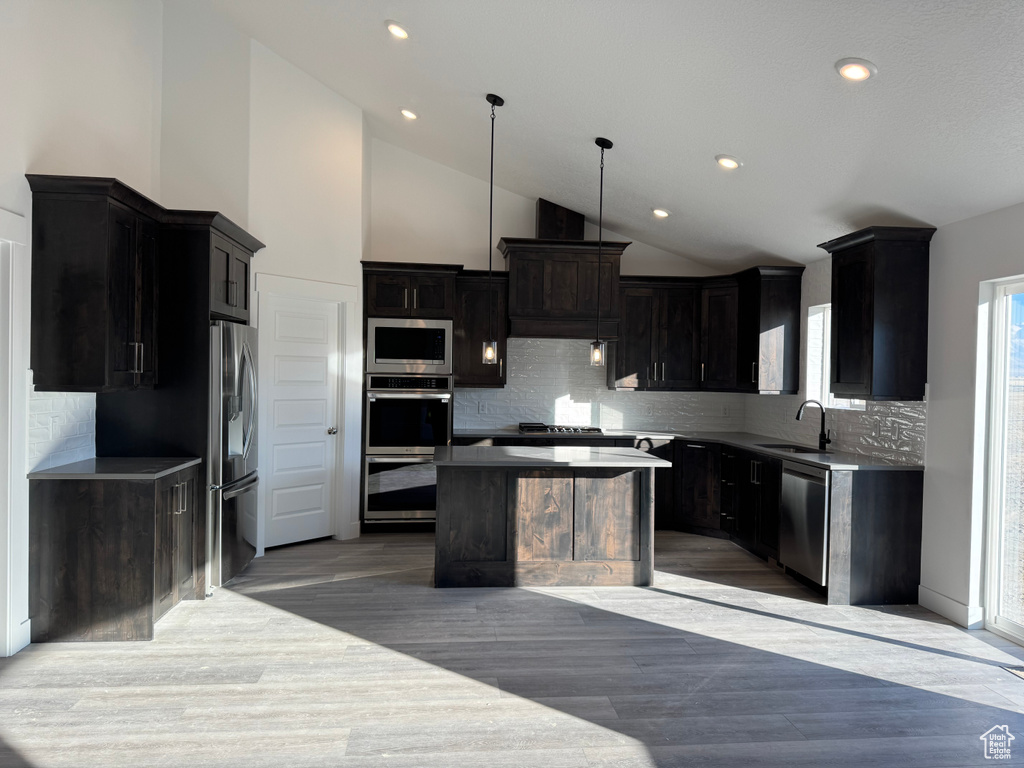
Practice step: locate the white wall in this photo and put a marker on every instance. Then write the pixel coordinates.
(81, 96)
(963, 254)
(205, 131)
(424, 211)
(305, 174)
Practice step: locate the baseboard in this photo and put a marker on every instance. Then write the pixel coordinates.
(21, 637)
(969, 616)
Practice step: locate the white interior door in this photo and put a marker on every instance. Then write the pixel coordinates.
(299, 371)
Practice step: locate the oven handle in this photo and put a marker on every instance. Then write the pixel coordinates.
(371, 396)
(399, 459)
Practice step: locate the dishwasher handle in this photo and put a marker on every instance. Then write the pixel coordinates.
(805, 472)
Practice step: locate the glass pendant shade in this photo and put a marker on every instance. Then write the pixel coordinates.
(490, 352)
(597, 350)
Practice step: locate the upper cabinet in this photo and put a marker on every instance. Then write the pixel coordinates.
(218, 248)
(409, 290)
(718, 334)
(768, 330)
(553, 287)
(94, 288)
(659, 335)
(476, 315)
(880, 313)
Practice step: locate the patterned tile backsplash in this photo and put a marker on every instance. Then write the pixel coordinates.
(551, 380)
(61, 428)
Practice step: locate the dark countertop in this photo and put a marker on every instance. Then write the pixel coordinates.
(745, 440)
(112, 468)
(560, 456)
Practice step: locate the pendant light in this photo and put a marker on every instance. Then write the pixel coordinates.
(490, 349)
(597, 347)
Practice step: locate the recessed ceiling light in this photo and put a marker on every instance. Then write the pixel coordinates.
(397, 30)
(728, 162)
(661, 213)
(408, 114)
(856, 69)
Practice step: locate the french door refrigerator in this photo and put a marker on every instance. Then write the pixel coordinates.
(233, 451)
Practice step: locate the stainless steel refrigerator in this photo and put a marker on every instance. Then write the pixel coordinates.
(233, 451)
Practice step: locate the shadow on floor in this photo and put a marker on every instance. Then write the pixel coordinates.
(663, 677)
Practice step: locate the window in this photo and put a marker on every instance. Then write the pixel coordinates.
(1005, 558)
(819, 356)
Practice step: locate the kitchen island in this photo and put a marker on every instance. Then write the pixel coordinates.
(527, 516)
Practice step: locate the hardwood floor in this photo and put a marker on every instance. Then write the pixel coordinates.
(342, 654)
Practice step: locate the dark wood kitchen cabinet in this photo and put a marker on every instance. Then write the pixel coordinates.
(476, 315)
(409, 290)
(659, 335)
(111, 546)
(880, 313)
(768, 330)
(94, 287)
(758, 481)
(229, 279)
(553, 287)
(718, 334)
(698, 469)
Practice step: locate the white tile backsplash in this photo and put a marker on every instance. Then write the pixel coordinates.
(61, 428)
(551, 380)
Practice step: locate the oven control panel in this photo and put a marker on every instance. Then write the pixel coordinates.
(418, 383)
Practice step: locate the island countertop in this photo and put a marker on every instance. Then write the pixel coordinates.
(514, 457)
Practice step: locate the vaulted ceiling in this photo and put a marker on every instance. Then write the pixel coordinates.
(936, 136)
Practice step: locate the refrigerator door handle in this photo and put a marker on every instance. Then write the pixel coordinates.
(251, 370)
(238, 490)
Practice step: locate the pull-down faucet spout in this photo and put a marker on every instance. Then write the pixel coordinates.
(824, 438)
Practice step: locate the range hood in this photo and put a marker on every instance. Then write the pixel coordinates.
(553, 285)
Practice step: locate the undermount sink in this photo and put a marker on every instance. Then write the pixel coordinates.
(789, 447)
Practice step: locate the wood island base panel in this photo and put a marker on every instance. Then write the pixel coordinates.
(500, 526)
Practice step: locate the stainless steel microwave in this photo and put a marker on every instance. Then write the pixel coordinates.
(405, 345)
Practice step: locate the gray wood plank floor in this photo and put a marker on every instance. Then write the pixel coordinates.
(342, 654)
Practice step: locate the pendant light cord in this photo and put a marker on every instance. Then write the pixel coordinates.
(490, 241)
(600, 240)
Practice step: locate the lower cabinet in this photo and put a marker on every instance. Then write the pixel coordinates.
(758, 480)
(697, 470)
(111, 555)
(174, 546)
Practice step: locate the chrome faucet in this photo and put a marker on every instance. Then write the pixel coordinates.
(824, 438)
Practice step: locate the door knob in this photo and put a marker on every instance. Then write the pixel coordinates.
(332, 430)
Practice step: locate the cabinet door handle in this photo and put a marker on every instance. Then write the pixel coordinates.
(142, 358)
(415, 298)
(405, 298)
(183, 497)
(753, 373)
(691, 445)
(702, 371)
(232, 293)
(501, 368)
(176, 498)
(662, 371)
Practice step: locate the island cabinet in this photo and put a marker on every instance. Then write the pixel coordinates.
(768, 330)
(112, 546)
(409, 290)
(718, 334)
(553, 517)
(553, 287)
(94, 288)
(659, 335)
(697, 487)
(880, 313)
(480, 309)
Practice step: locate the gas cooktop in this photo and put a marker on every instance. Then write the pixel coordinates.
(534, 427)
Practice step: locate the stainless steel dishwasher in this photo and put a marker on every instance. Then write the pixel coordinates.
(803, 527)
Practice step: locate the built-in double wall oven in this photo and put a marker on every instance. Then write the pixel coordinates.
(408, 413)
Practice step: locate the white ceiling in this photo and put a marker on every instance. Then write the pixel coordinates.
(935, 137)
